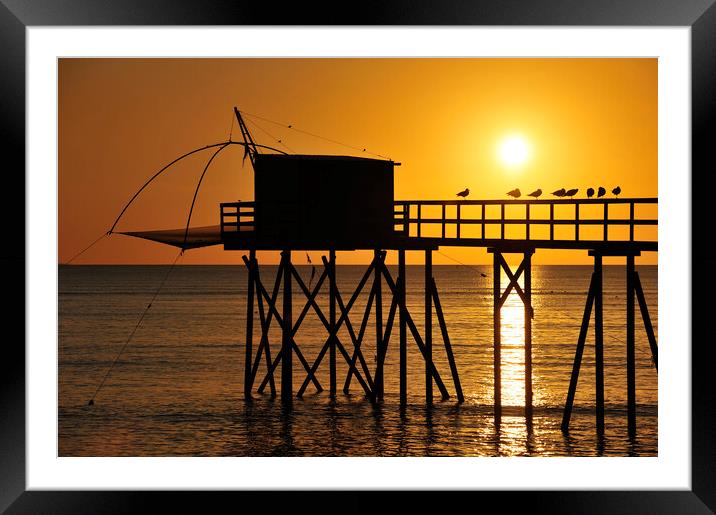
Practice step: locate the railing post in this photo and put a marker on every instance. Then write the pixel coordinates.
(502, 221)
(576, 221)
(443, 223)
(527, 216)
(458, 222)
(631, 221)
(606, 221)
(551, 222)
(483, 221)
(419, 218)
(406, 217)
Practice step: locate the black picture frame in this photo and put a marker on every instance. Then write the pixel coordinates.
(16, 15)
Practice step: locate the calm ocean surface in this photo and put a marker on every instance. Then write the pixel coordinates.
(178, 387)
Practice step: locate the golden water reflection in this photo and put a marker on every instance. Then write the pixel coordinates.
(512, 320)
(514, 433)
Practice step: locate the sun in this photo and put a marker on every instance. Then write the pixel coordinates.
(513, 151)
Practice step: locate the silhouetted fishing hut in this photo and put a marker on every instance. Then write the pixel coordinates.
(323, 202)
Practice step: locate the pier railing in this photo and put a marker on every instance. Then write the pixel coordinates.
(449, 220)
(237, 216)
(560, 222)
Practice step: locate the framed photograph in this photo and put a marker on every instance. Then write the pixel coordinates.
(101, 106)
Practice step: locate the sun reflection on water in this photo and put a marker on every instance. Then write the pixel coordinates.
(512, 320)
(514, 432)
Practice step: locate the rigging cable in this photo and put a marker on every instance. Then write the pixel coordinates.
(86, 248)
(131, 335)
(315, 135)
(271, 136)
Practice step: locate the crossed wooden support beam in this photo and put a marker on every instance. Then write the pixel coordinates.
(338, 317)
(499, 299)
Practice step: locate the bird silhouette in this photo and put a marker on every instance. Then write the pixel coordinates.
(515, 193)
(601, 192)
(536, 193)
(590, 192)
(571, 193)
(617, 191)
(559, 193)
(464, 193)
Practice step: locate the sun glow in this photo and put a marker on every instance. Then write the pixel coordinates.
(514, 151)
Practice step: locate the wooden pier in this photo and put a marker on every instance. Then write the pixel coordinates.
(335, 203)
(562, 224)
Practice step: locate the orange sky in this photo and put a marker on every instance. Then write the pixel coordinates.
(589, 122)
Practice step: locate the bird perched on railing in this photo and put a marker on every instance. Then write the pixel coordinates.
(559, 193)
(617, 191)
(536, 193)
(571, 193)
(590, 192)
(601, 192)
(464, 193)
(516, 193)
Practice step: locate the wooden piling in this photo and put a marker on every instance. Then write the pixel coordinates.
(599, 344)
(248, 359)
(497, 358)
(428, 327)
(528, 333)
(332, 321)
(403, 329)
(378, 289)
(630, 355)
(287, 338)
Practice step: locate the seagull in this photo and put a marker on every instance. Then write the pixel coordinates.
(515, 193)
(571, 193)
(617, 191)
(535, 193)
(464, 193)
(601, 192)
(559, 193)
(590, 192)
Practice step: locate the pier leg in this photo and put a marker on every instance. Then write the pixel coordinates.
(332, 321)
(287, 338)
(630, 356)
(578, 357)
(428, 328)
(497, 358)
(377, 288)
(248, 359)
(403, 329)
(528, 336)
(599, 344)
(647, 320)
